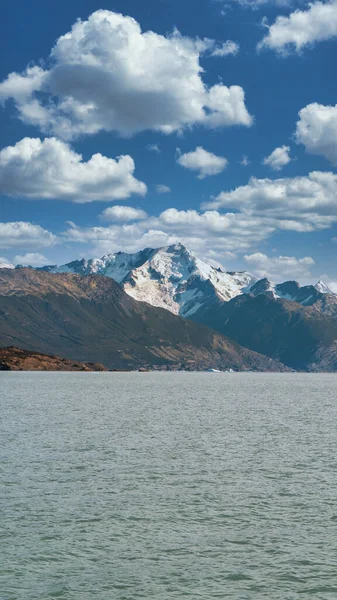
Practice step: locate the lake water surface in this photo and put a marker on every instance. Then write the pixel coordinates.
(119, 486)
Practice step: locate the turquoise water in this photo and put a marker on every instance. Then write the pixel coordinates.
(165, 486)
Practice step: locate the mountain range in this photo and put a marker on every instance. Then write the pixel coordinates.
(91, 319)
(295, 325)
(172, 277)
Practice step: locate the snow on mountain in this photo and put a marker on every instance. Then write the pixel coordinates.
(322, 287)
(175, 279)
(172, 277)
(117, 266)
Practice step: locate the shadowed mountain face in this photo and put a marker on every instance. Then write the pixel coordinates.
(300, 336)
(92, 319)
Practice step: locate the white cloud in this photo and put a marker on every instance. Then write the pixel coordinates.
(256, 4)
(295, 204)
(5, 263)
(209, 234)
(205, 163)
(50, 169)
(235, 221)
(106, 74)
(21, 233)
(163, 189)
(281, 267)
(226, 49)
(31, 259)
(302, 28)
(245, 161)
(317, 130)
(123, 213)
(278, 158)
(154, 148)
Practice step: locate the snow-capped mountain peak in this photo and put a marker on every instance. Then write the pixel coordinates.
(322, 287)
(175, 279)
(172, 277)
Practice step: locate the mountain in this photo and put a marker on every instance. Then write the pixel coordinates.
(301, 337)
(15, 359)
(91, 318)
(170, 277)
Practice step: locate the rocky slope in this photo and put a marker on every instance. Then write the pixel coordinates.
(16, 359)
(300, 336)
(92, 319)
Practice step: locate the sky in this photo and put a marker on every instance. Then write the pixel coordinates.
(130, 124)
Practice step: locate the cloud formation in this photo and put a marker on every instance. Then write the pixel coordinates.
(210, 234)
(245, 161)
(235, 221)
(278, 159)
(21, 233)
(5, 263)
(154, 148)
(317, 130)
(204, 162)
(279, 267)
(257, 4)
(301, 28)
(31, 259)
(299, 204)
(163, 189)
(228, 48)
(107, 75)
(123, 214)
(50, 169)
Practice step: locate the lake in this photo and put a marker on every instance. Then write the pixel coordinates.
(120, 486)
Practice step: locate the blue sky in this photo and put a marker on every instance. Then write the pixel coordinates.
(268, 215)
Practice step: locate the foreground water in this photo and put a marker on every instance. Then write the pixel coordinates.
(165, 486)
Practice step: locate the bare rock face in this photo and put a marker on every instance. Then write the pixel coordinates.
(299, 336)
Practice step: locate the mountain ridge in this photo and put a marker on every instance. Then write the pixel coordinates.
(91, 319)
(173, 278)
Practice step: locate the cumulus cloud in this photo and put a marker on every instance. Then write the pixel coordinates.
(317, 130)
(302, 28)
(235, 221)
(278, 159)
(21, 233)
(50, 169)
(163, 189)
(210, 234)
(123, 213)
(280, 267)
(205, 163)
(295, 204)
(106, 74)
(31, 259)
(226, 49)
